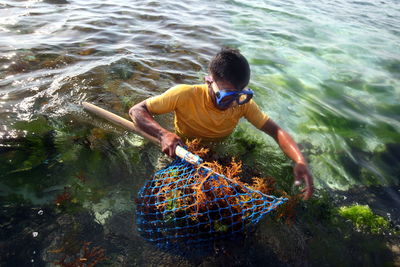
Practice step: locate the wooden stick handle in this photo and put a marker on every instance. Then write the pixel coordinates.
(131, 126)
(117, 120)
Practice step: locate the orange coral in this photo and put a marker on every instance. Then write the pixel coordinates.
(211, 196)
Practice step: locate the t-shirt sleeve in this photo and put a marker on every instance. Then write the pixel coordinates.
(167, 101)
(255, 115)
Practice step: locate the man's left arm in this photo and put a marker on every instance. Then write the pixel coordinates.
(290, 148)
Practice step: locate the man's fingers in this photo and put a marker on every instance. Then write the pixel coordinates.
(303, 176)
(170, 152)
(306, 194)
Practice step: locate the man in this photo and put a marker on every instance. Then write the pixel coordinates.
(212, 111)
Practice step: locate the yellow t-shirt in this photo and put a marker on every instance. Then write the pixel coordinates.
(197, 117)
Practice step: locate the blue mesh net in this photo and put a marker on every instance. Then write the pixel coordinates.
(184, 203)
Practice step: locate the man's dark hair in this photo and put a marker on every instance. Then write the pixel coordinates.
(231, 66)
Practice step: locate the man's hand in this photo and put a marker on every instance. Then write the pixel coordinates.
(290, 148)
(169, 141)
(144, 122)
(302, 174)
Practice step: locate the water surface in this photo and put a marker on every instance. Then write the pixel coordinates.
(326, 71)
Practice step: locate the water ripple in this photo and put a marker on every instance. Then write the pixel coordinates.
(335, 64)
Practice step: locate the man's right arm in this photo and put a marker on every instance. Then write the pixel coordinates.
(144, 121)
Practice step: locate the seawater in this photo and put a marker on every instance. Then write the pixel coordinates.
(328, 72)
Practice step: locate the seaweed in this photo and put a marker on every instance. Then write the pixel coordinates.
(364, 219)
(87, 256)
(182, 203)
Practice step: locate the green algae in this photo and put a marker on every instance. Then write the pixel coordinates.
(51, 157)
(364, 219)
(260, 157)
(331, 231)
(122, 69)
(38, 125)
(220, 227)
(320, 207)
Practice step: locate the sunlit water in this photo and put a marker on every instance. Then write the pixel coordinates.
(326, 71)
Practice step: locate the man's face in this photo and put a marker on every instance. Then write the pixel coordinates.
(224, 94)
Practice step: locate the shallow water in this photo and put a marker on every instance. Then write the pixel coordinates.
(328, 72)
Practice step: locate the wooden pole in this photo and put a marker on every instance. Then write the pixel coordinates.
(131, 126)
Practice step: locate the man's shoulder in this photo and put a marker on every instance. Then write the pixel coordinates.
(187, 88)
(184, 92)
(172, 98)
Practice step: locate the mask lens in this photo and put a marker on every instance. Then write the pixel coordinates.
(243, 98)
